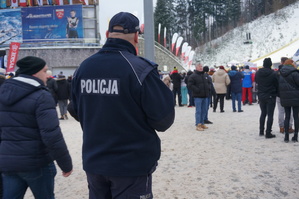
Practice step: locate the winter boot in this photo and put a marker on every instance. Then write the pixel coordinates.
(295, 137)
(199, 127)
(286, 137)
(204, 126)
(269, 135)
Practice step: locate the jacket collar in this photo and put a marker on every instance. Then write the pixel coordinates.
(199, 72)
(34, 81)
(119, 45)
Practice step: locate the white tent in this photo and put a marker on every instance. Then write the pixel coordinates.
(233, 62)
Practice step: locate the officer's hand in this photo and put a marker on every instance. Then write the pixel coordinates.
(67, 174)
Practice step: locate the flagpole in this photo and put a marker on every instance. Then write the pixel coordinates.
(149, 50)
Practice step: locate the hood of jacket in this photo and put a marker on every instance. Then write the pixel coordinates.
(220, 72)
(15, 89)
(265, 72)
(286, 70)
(232, 73)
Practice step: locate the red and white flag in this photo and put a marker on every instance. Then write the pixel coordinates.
(187, 53)
(191, 55)
(84, 2)
(23, 3)
(14, 3)
(178, 45)
(184, 48)
(59, 2)
(40, 2)
(12, 56)
(165, 37)
(174, 38)
(159, 32)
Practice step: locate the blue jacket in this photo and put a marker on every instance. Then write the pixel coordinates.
(30, 136)
(121, 102)
(235, 81)
(247, 80)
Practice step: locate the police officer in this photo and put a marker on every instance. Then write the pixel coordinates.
(121, 102)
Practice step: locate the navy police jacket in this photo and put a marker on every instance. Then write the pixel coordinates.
(120, 102)
(30, 136)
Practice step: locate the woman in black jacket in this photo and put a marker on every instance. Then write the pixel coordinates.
(289, 95)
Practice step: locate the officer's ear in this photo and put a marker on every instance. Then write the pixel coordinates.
(136, 37)
(107, 34)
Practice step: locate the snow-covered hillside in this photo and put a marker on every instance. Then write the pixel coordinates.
(276, 32)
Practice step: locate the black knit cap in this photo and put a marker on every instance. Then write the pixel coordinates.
(267, 63)
(30, 65)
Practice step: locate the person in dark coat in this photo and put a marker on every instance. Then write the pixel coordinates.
(212, 92)
(236, 88)
(191, 99)
(121, 102)
(289, 96)
(30, 136)
(267, 81)
(280, 109)
(176, 81)
(198, 82)
(52, 86)
(63, 95)
(2, 79)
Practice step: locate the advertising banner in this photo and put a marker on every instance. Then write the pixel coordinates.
(12, 56)
(10, 26)
(2, 3)
(53, 23)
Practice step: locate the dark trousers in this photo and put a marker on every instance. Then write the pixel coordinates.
(191, 99)
(221, 97)
(1, 187)
(287, 119)
(103, 187)
(40, 181)
(177, 91)
(267, 109)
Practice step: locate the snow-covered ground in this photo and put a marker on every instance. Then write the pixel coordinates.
(274, 36)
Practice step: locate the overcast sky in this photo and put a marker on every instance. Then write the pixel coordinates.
(108, 8)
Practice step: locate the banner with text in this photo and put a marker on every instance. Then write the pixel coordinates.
(53, 23)
(12, 56)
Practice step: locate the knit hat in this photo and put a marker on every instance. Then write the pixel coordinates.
(233, 67)
(206, 69)
(267, 63)
(221, 67)
(30, 65)
(128, 21)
